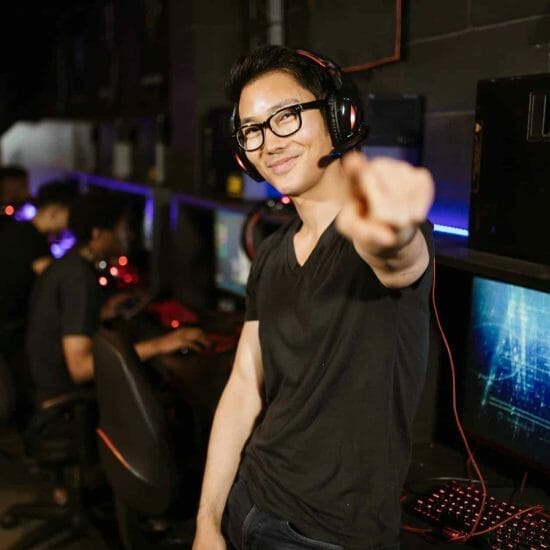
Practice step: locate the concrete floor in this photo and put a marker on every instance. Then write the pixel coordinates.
(17, 485)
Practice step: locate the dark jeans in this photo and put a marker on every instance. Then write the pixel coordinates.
(246, 527)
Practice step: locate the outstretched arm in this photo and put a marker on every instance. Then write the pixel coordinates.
(189, 337)
(387, 201)
(77, 349)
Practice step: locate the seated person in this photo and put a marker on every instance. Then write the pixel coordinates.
(14, 189)
(65, 309)
(24, 254)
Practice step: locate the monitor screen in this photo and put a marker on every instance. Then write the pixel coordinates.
(507, 386)
(232, 263)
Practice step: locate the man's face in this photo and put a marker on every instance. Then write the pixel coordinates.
(113, 242)
(289, 163)
(58, 218)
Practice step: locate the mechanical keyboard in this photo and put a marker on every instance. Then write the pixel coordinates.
(452, 510)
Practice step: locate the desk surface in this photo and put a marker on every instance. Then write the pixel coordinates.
(454, 252)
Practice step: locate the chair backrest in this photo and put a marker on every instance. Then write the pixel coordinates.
(133, 437)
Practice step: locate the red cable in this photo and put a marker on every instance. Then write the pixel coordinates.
(522, 486)
(471, 458)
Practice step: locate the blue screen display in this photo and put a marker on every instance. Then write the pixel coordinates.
(508, 369)
(232, 263)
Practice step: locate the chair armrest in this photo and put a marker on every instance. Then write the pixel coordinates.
(69, 418)
(68, 400)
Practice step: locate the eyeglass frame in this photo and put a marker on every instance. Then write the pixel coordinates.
(316, 104)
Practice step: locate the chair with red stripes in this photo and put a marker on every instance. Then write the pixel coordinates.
(153, 493)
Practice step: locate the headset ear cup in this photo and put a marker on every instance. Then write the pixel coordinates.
(345, 122)
(247, 166)
(333, 120)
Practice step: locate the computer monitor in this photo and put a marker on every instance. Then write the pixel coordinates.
(232, 265)
(507, 378)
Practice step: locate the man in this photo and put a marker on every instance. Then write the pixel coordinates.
(66, 304)
(14, 184)
(24, 254)
(14, 190)
(314, 422)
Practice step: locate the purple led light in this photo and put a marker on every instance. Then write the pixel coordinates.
(65, 242)
(56, 251)
(26, 213)
(148, 217)
(113, 185)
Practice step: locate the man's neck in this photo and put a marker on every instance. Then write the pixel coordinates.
(319, 206)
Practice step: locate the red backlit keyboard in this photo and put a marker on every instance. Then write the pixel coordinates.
(220, 343)
(453, 509)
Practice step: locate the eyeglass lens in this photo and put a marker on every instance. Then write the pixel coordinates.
(283, 123)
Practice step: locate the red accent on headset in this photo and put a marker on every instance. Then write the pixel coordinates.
(241, 163)
(313, 57)
(352, 116)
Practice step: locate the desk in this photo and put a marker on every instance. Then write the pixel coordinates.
(454, 252)
(199, 379)
(432, 460)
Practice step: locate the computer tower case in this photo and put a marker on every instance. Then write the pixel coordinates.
(510, 194)
(396, 126)
(217, 160)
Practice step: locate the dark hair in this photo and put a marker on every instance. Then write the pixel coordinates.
(100, 211)
(309, 74)
(12, 172)
(59, 192)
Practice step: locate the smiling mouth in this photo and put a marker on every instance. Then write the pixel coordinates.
(283, 166)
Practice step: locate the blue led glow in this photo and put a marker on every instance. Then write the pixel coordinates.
(113, 184)
(450, 230)
(509, 358)
(148, 216)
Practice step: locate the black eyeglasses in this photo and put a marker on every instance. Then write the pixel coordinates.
(282, 123)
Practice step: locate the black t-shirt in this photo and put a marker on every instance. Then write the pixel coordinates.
(20, 245)
(66, 301)
(344, 360)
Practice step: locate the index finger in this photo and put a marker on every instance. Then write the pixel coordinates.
(354, 165)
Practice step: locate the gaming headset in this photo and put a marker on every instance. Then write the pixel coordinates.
(344, 117)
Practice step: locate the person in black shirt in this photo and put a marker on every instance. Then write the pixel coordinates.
(24, 254)
(66, 304)
(14, 191)
(311, 440)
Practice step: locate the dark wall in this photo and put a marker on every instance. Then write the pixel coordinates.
(447, 48)
(206, 37)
